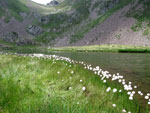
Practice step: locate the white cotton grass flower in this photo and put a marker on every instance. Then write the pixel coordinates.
(148, 103)
(146, 97)
(70, 88)
(124, 111)
(119, 80)
(81, 80)
(108, 89)
(133, 92)
(129, 93)
(130, 83)
(104, 81)
(114, 105)
(129, 111)
(83, 88)
(58, 72)
(131, 98)
(120, 90)
(148, 94)
(139, 92)
(72, 72)
(135, 87)
(114, 90)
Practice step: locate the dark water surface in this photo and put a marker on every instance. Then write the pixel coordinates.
(134, 67)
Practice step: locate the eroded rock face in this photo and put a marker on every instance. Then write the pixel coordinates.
(22, 42)
(34, 30)
(11, 37)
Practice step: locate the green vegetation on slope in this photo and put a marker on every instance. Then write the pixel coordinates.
(142, 15)
(9, 8)
(31, 85)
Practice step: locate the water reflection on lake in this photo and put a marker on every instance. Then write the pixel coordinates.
(134, 67)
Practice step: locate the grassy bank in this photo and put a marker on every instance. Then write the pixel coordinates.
(31, 85)
(104, 48)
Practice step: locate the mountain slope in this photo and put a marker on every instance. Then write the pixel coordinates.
(118, 28)
(75, 22)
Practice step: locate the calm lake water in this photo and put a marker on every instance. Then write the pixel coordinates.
(134, 67)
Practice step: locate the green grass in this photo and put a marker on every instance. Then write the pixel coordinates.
(146, 31)
(31, 85)
(104, 48)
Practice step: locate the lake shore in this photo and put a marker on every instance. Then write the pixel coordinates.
(104, 48)
(54, 84)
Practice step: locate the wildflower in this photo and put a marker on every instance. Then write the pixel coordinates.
(114, 90)
(83, 88)
(146, 97)
(124, 110)
(108, 89)
(130, 83)
(149, 103)
(133, 92)
(114, 105)
(129, 111)
(135, 87)
(70, 88)
(58, 72)
(72, 72)
(104, 81)
(120, 90)
(119, 80)
(148, 94)
(130, 98)
(139, 92)
(129, 93)
(77, 102)
(80, 80)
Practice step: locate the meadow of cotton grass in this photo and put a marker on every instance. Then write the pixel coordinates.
(52, 84)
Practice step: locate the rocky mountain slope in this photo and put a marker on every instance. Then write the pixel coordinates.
(75, 22)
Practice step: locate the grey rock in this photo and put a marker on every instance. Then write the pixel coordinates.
(48, 30)
(14, 38)
(22, 42)
(34, 30)
(11, 37)
(53, 3)
(44, 20)
(23, 14)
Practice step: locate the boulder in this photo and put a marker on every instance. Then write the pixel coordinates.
(14, 38)
(44, 20)
(22, 42)
(34, 30)
(53, 3)
(11, 37)
(23, 14)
